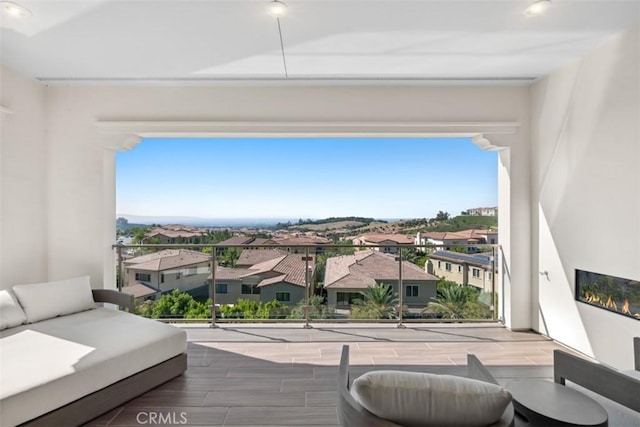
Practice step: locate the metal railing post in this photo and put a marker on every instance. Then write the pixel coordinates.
(212, 287)
(306, 287)
(494, 310)
(400, 289)
(120, 277)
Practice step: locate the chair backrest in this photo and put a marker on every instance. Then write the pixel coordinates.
(350, 412)
(477, 371)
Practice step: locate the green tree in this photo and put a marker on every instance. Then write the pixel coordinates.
(230, 257)
(442, 216)
(379, 300)
(174, 304)
(457, 302)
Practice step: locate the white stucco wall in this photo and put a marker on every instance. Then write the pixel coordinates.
(586, 193)
(23, 195)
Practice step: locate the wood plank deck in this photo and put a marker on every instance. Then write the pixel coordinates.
(285, 375)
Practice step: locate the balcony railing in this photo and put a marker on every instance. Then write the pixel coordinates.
(369, 283)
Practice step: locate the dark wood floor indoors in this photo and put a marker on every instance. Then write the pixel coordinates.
(285, 375)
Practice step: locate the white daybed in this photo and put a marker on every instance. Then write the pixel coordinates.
(67, 363)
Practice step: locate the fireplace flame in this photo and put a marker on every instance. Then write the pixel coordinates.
(610, 303)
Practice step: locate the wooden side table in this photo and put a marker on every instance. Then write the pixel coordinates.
(545, 403)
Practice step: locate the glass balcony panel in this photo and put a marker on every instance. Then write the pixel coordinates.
(303, 283)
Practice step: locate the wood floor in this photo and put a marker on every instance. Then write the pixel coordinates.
(285, 375)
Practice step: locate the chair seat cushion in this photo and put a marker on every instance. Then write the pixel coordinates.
(421, 399)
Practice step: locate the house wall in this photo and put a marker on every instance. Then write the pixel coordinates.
(425, 293)
(586, 194)
(171, 280)
(23, 187)
(268, 293)
(234, 291)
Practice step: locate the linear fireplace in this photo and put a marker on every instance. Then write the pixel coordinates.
(621, 296)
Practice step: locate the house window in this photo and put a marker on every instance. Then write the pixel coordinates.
(221, 288)
(439, 264)
(459, 269)
(283, 296)
(476, 272)
(143, 277)
(347, 298)
(161, 277)
(447, 266)
(490, 275)
(250, 290)
(412, 291)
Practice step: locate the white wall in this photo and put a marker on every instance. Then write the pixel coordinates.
(23, 232)
(586, 193)
(81, 183)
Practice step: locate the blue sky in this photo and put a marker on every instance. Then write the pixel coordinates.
(304, 177)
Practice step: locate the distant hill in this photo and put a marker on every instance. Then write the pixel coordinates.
(462, 222)
(332, 223)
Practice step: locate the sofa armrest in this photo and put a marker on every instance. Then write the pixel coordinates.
(113, 297)
(599, 378)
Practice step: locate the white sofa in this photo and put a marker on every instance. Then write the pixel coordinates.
(65, 361)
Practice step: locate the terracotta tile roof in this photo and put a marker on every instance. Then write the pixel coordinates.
(167, 259)
(365, 268)
(290, 267)
(223, 273)
(481, 260)
(471, 234)
(237, 240)
(303, 240)
(250, 257)
(247, 240)
(139, 290)
(378, 238)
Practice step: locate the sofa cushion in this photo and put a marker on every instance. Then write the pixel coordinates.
(54, 362)
(11, 314)
(421, 399)
(42, 301)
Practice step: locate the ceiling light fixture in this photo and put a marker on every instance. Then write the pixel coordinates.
(277, 9)
(15, 10)
(538, 7)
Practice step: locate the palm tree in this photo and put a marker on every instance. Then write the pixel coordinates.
(380, 299)
(230, 257)
(450, 303)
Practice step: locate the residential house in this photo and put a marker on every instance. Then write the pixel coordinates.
(465, 240)
(347, 275)
(166, 270)
(302, 239)
(562, 109)
(385, 243)
(283, 278)
(465, 269)
(171, 234)
(483, 211)
(248, 242)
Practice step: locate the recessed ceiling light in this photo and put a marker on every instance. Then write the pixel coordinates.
(537, 7)
(276, 8)
(14, 9)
